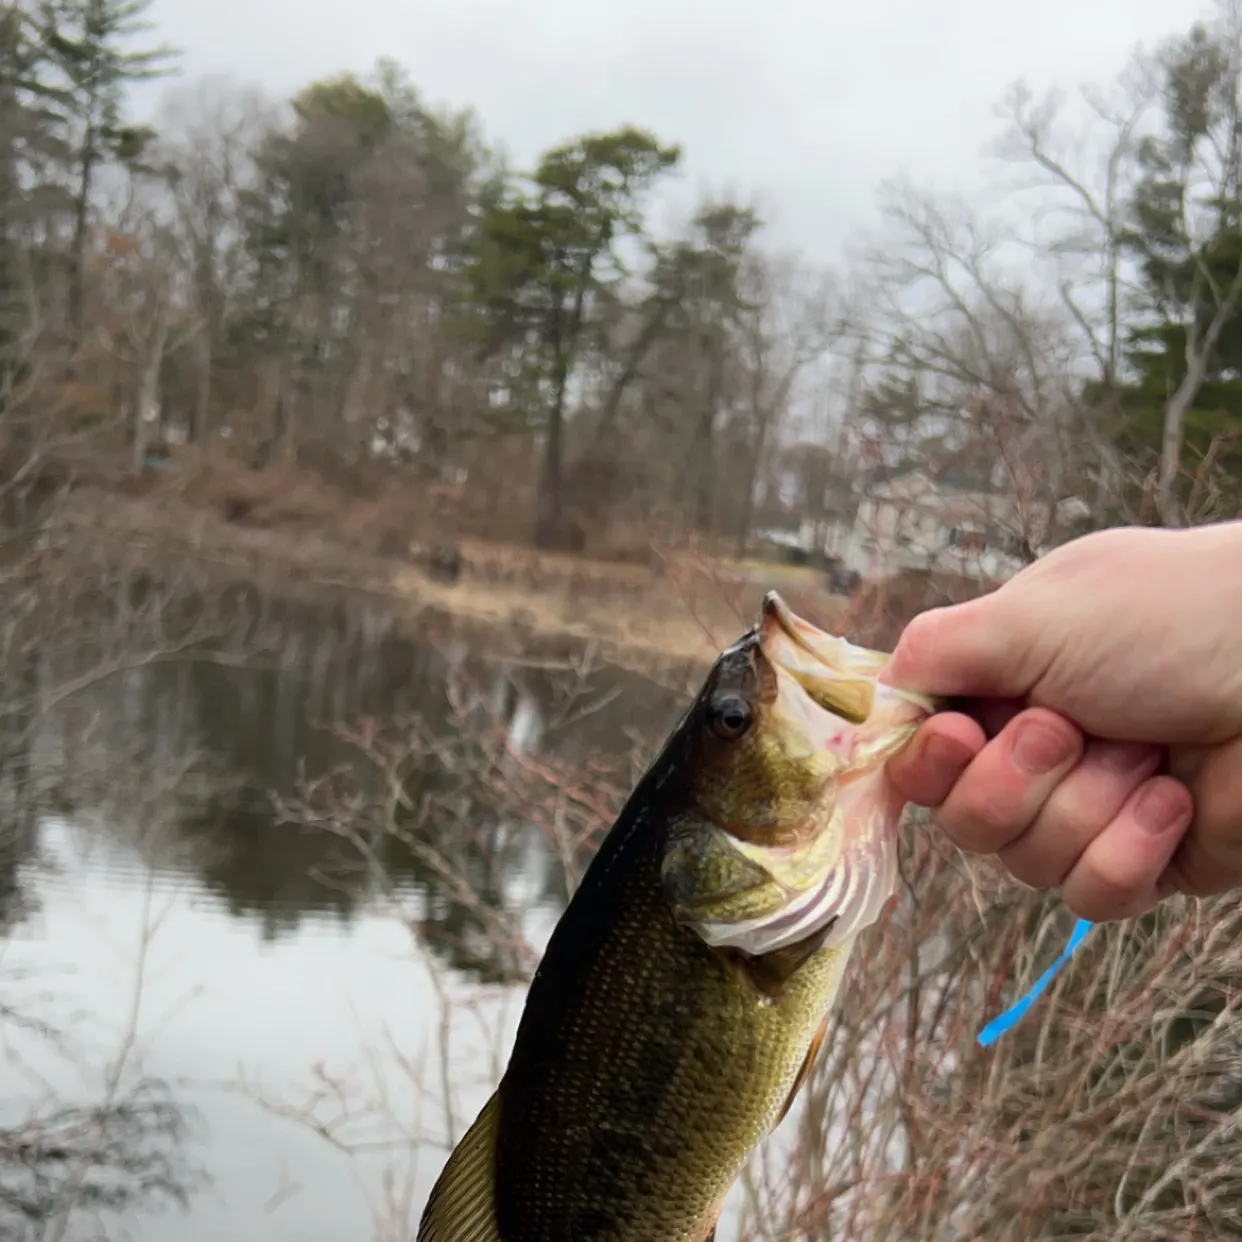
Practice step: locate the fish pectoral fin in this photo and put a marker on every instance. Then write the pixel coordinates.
(771, 972)
(805, 1072)
(462, 1203)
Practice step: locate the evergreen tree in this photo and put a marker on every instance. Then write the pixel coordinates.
(1181, 403)
(86, 46)
(543, 256)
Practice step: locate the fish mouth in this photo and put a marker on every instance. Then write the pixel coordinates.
(838, 675)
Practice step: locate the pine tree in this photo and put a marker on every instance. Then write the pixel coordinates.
(86, 46)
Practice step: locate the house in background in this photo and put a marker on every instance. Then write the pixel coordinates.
(911, 518)
(962, 520)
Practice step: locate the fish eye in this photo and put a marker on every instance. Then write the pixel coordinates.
(730, 717)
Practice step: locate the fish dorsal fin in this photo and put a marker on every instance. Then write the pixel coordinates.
(462, 1203)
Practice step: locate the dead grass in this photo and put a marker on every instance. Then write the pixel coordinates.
(683, 607)
(287, 532)
(364, 507)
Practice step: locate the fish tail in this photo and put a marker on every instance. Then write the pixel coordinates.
(462, 1203)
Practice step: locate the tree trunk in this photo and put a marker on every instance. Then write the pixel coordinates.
(548, 529)
(1198, 354)
(705, 446)
(764, 414)
(356, 396)
(200, 425)
(81, 220)
(629, 372)
(147, 404)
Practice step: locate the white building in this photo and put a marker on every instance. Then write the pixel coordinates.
(915, 517)
(909, 518)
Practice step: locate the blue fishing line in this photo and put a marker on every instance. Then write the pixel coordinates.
(1014, 1014)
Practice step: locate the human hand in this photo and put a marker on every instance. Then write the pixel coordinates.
(1101, 748)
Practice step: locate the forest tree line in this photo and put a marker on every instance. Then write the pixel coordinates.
(354, 272)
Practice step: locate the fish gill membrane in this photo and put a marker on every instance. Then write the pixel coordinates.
(685, 990)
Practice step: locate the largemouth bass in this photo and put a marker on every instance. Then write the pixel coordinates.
(685, 991)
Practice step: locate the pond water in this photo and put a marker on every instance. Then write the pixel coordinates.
(294, 1013)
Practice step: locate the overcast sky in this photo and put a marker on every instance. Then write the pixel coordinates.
(806, 104)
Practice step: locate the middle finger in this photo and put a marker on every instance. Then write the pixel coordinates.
(1078, 810)
(1007, 783)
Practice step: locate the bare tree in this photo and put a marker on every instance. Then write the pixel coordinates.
(1081, 229)
(788, 325)
(210, 129)
(974, 370)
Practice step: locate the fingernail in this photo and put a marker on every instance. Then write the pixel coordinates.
(1040, 747)
(1123, 757)
(946, 755)
(1161, 808)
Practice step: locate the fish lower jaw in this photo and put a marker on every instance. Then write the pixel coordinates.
(849, 898)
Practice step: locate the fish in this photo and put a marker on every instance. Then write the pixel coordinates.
(686, 989)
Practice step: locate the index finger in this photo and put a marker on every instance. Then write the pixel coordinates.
(925, 770)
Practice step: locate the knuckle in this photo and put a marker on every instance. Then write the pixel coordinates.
(1036, 869)
(979, 822)
(919, 634)
(1102, 895)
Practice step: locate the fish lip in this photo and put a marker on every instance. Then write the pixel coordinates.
(839, 658)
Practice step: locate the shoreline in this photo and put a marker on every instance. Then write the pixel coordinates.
(668, 617)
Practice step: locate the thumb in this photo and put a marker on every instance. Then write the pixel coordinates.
(985, 648)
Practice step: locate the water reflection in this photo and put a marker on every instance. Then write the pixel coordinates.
(265, 730)
(317, 894)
